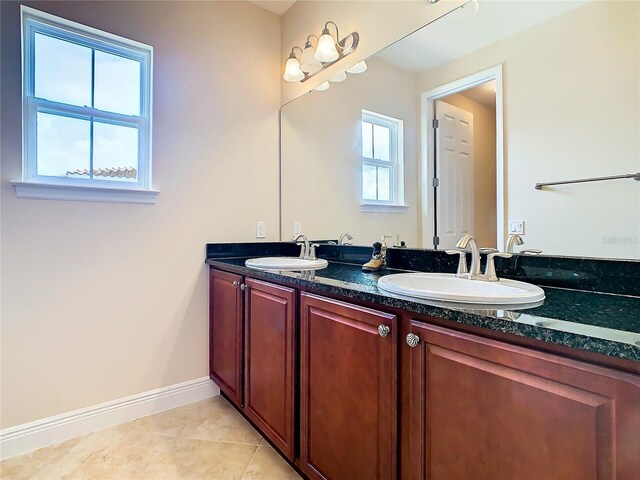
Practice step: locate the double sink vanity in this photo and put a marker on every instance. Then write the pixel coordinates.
(349, 380)
(521, 362)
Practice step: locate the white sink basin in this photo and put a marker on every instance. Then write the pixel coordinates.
(285, 263)
(447, 287)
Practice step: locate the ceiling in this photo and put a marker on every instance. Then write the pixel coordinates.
(484, 94)
(454, 36)
(276, 6)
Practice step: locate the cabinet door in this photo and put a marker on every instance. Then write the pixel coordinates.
(348, 393)
(225, 333)
(270, 355)
(483, 409)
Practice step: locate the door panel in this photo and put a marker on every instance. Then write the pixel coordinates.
(454, 160)
(225, 333)
(348, 391)
(482, 409)
(270, 354)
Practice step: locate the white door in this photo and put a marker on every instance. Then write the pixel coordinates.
(454, 170)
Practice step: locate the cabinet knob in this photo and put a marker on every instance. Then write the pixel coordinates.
(243, 287)
(236, 283)
(383, 330)
(412, 340)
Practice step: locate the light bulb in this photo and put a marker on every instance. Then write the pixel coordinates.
(292, 72)
(308, 63)
(322, 87)
(358, 68)
(341, 77)
(326, 50)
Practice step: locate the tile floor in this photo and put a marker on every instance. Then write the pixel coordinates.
(205, 440)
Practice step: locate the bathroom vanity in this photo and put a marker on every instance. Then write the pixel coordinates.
(455, 130)
(350, 382)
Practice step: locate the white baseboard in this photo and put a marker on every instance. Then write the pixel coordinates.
(59, 428)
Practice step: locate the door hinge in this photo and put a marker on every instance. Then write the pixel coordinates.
(436, 182)
(435, 123)
(436, 241)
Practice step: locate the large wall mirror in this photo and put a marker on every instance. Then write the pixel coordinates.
(449, 130)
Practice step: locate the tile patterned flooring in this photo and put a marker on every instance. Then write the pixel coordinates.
(205, 440)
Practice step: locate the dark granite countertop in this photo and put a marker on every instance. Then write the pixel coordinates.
(603, 323)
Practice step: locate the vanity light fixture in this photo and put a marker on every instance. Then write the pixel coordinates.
(308, 62)
(292, 71)
(328, 51)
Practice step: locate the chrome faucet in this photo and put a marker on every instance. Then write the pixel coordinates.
(341, 240)
(305, 251)
(489, 274)
(469, 241)
(515, 239)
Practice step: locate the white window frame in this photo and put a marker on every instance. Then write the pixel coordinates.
(92, 189)
(395, 163)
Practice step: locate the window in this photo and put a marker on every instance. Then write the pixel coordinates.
(86, 112)
(382, 152)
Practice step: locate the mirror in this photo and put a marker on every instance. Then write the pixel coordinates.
(522, 93)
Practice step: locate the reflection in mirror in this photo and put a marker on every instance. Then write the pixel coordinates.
(521, 93)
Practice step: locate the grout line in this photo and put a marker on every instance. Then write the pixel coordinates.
(250, 462)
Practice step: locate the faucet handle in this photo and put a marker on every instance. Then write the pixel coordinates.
(462, 261)
(488, 250)
(312, 251)
(490, 269)
(530, 251)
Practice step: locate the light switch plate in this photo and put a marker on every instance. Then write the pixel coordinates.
(261, 229)
(516, 227)
(297, 229)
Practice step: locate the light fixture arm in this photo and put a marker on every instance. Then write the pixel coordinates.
(308, 42)
(354, 44)
(292, 54)
(326, 29)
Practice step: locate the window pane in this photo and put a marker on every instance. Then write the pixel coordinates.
(117, 87)
(384, 177)
(115, 152)
(381, 143)
(368, 182)
(62, 146)
(367, 140)
(62, 71)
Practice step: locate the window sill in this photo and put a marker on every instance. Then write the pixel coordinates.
(383, 208)
(47, 191)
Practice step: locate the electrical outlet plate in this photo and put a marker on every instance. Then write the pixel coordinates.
(516, 227)
(297, 228)
(261, 229)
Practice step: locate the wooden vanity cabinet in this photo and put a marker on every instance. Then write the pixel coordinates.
(487, 410)
(270, 361)
(348, 391)
(226, 333)
(376, 387)
(252, 352)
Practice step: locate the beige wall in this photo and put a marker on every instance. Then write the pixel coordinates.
(379, 24)
(322, 161)
(484, 170)
(101, 301)
(561, 125)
